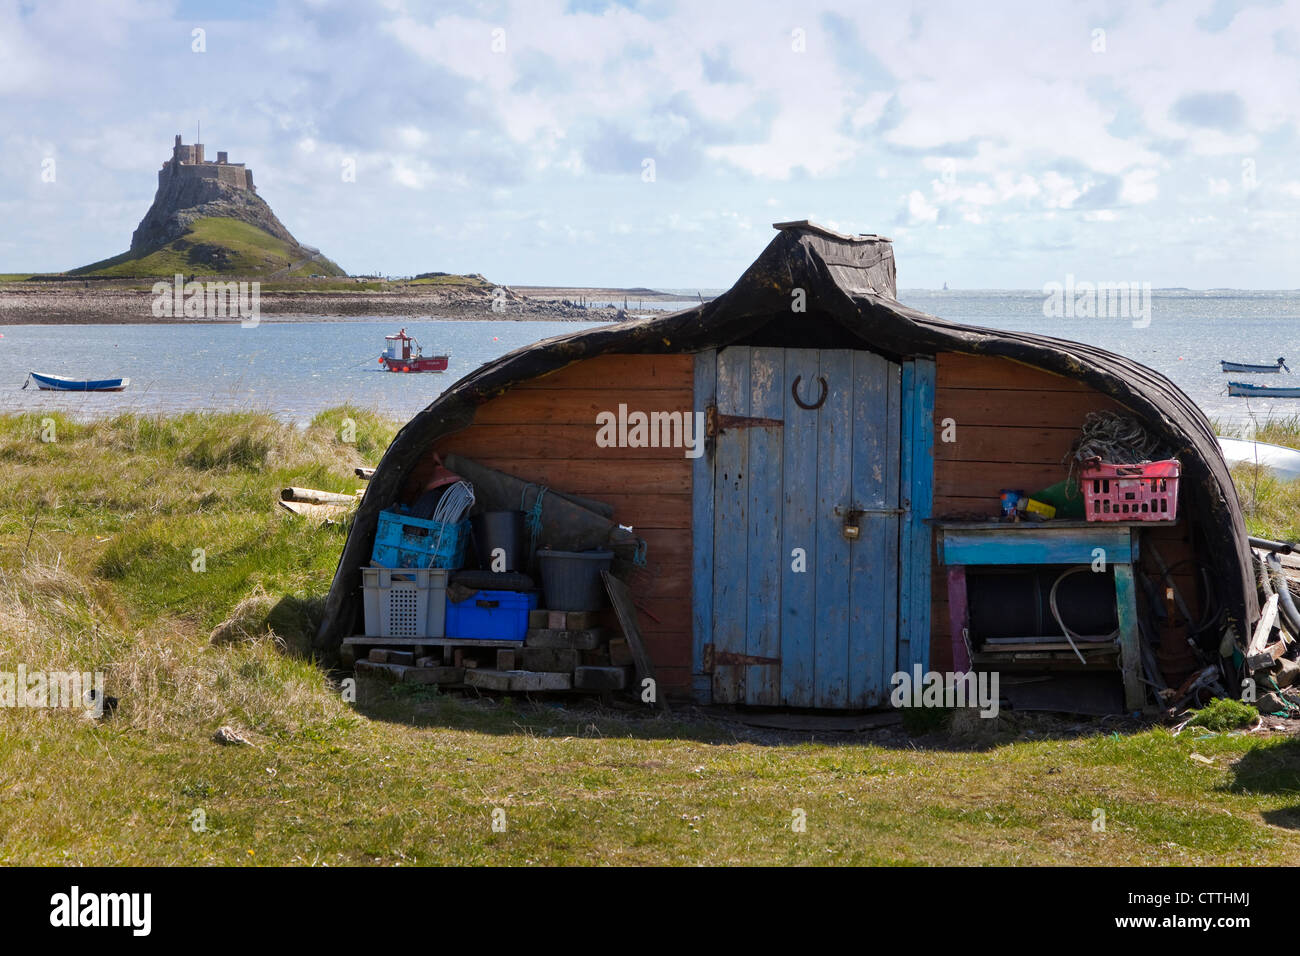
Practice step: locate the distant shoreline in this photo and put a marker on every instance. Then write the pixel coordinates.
(93, 303)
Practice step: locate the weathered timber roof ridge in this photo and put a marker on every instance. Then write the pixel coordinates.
(851, 281)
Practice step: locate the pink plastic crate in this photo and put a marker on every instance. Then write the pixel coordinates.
(1146, 492)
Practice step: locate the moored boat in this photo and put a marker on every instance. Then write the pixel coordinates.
(59, 383)
(1247, 390)
(1244, 367)
(403, 354)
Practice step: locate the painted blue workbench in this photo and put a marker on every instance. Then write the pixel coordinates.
(986, 543)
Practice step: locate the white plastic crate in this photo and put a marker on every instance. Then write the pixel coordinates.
(405, 602)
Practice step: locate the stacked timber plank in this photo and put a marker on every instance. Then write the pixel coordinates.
(562, 651)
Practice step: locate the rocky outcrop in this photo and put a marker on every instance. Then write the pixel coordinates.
(182, 199)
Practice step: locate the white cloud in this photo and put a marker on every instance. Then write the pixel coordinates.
(1139, 186)
(945, 118)
(918, 209)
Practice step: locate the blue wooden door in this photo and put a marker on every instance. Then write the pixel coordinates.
(800, 612)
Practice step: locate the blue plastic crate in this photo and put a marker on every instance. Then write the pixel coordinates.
(491, 616)
(405, 542)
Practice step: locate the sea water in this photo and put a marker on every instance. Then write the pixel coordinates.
(296, 369)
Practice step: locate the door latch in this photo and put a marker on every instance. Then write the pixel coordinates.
(851, 528)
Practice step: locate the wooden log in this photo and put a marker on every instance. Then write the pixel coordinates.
(316, 512)
(1267, 618)
(312, 496)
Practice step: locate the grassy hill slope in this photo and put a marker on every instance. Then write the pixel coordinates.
(215, 246)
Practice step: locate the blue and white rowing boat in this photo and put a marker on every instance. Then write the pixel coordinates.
(1248, 390)
(1244, 367)
(57, 383)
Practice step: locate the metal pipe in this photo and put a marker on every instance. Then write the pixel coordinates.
(1277, 547)
(1284, 600)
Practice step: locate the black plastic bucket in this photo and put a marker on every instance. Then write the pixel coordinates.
(502, 530)
(571, 579)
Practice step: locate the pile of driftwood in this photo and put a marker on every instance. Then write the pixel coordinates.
(1261, 667)
(324, 507)
(1270, 656)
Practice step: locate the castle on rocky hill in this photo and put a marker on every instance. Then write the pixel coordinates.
(191, 188)
(187, 162)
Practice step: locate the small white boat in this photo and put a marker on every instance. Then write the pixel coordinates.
(1285, 462)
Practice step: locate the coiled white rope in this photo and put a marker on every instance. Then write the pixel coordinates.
(452, 507)
(1056, 612)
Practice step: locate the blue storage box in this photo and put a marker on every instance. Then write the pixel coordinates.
(405, 542)
(491, 616)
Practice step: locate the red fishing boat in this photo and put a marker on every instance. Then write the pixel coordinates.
(403, 354)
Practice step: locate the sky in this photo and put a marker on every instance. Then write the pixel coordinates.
(586, 142)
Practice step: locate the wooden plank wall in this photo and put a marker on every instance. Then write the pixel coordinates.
(1014, 424)
(544, 430)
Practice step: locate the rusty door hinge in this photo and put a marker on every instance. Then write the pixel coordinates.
(714, 422)
(715, 658)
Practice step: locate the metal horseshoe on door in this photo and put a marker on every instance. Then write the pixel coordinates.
(794, 392)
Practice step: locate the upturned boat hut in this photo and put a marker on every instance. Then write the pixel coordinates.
(815, 471)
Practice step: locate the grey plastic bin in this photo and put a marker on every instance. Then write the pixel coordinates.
(571, 579)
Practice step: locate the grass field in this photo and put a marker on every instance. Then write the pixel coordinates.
(212, 246)
(101, 534)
